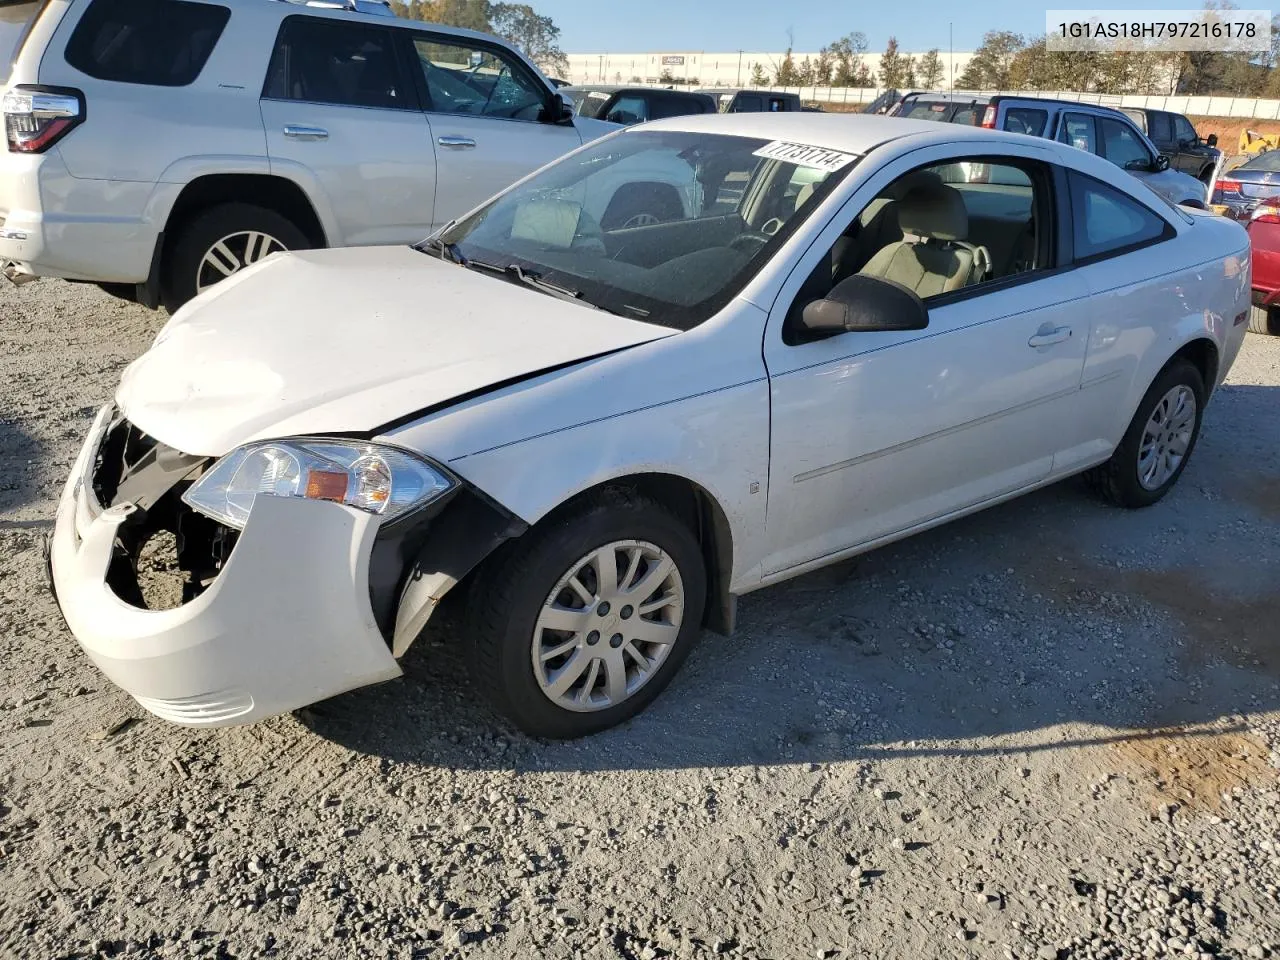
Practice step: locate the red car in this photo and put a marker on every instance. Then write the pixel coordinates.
(1264, 234)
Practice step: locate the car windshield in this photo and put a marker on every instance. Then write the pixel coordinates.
(1268, 162)
(659, 226)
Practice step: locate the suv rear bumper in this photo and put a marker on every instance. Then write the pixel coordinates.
(53, 225)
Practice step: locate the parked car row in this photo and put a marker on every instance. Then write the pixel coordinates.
(1111, 134)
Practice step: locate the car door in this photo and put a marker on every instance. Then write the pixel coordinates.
(1190, 157)
(486, 111)
(342, 119)
(1116, 252)
(878, 433)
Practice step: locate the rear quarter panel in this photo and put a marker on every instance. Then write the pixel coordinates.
(1145, 307)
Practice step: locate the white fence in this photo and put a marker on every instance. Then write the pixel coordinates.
(1246, 107)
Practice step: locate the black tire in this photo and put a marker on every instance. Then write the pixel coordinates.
(179, 280)
(509, 591)
(1263, 320)
(1117, 480)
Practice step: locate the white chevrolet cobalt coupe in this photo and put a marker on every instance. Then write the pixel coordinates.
(858, 328)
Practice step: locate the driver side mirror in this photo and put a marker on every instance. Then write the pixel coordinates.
(559, 110)
(1160, 164)
(1213, 140)
(865, 304)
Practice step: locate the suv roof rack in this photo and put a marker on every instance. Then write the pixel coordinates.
(378, 8)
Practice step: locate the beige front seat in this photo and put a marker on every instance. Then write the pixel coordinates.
(933, 256)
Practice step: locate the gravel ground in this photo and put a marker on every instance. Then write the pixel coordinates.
(1049, 730)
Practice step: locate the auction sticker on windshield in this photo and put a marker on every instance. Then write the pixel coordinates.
(803, 155)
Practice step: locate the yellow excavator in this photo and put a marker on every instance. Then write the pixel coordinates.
(1253, 143)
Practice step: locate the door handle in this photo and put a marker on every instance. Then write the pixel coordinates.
(450, 141)
(1048, 336)
(297, 132)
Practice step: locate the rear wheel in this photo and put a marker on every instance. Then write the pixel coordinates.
(1263, 320)
(1159, 442)
(221, 242)
(581, 623)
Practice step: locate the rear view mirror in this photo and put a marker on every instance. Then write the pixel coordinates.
(866, 304)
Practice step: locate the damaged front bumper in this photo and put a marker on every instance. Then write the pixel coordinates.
(287, 620)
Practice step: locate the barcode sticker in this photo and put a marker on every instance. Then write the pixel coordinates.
(804, 155)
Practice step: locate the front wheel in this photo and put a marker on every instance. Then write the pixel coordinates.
(580, 624)
(1159, 442)
(219, 243)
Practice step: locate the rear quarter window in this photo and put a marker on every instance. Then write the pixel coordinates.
(162, 43)
(1026, 120)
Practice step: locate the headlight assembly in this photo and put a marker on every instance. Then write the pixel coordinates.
(381, 480)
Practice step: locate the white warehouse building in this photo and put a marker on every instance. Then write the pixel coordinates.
(732, 69)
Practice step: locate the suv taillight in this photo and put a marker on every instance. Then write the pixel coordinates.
(1266, 212)
(989, 117)
(35, 118)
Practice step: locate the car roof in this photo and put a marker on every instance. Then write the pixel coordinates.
(336, 12)
(725, 91)
(629, 88)
(848, 132)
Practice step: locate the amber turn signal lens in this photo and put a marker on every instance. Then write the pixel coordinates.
(326, 485)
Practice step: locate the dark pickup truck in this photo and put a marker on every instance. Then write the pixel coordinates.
(1176, 138)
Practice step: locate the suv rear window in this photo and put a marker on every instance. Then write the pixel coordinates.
(163, 43)
(1026, 120)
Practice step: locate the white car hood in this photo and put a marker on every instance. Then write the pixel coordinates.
(334, 341)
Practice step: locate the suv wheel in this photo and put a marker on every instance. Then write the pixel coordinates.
(584, 620)
(1263, 320)
(220, 242)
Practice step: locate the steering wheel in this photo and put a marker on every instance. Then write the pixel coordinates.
(749, 243)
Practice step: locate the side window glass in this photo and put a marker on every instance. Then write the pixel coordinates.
(163, 43)
(1077, 130)
(462, 78)
(1161, 129)
(1121, 145)
(943, 228)
(1104, 220)
(750, 104)
(324, 61)
(1183, 131)
(1026, 120)
(628, 110)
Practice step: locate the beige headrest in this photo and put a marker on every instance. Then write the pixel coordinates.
(934, 212)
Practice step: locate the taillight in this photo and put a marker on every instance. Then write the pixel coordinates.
(35, 118)
(1228, 186)
(1265, 213)
(989, 117)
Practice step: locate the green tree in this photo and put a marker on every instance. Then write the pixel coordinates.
(758, 77)
(846, 56)
(908, 72)
(804, 73)
(988, 68)
(929, 71)
(823, 67)
(536, 36)
(667, 76)
(893, 67)
(785, 75)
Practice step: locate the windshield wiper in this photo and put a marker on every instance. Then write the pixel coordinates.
(517, 273)
(447, 251)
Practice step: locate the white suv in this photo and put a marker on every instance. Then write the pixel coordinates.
(158, 146)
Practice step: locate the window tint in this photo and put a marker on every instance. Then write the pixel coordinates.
(325, 61)
(1159, 126)
(1107, 221)
(1077, 130)
(628, 110)
(1182, 129)
(1121, 145)
(163, 43)
(661, 106)
(970, 115)
(1026, 120)
(748, 104)
(463, 78)
(925, 110)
